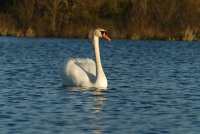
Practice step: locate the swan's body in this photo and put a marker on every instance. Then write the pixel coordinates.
(82, 72)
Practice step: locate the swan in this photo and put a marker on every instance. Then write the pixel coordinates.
(85, 72)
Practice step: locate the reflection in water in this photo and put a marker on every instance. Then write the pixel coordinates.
(97, 101)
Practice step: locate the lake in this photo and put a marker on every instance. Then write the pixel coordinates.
(153, 88)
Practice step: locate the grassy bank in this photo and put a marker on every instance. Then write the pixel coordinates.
(124, 19)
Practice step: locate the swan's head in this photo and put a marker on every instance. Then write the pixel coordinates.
(100, 33)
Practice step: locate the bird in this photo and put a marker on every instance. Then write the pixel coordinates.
(86, 72)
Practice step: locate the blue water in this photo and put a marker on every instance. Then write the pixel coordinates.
(154, 88)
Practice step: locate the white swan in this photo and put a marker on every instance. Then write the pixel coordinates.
(87, 72)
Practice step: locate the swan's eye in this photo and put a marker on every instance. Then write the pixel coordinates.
(104, 32)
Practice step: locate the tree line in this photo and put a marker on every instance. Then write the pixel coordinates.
(132, 19)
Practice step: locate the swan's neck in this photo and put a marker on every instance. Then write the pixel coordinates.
(99, 69)
(97, 55)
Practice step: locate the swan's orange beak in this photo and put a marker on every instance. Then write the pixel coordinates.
(106, 37)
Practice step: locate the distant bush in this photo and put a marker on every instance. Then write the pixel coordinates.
(133, 19)
(7, 25)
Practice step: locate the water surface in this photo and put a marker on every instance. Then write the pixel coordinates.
(153, 88)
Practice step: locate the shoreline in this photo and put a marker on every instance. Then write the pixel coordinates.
(85, 38)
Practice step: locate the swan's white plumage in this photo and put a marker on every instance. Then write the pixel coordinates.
(87, 72)
(87, 64)
(79, 72)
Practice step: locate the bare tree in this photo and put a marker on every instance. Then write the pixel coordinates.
(57, 12)
(24, 12)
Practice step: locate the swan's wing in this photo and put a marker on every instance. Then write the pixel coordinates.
(87, 64)
(79, 72)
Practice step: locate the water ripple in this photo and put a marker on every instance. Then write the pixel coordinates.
(153, 88)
